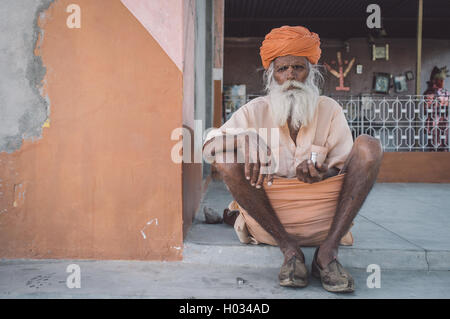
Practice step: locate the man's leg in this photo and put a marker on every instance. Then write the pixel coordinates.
(256, 203)
(361, 169)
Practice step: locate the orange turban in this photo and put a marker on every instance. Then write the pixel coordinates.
(297, 41)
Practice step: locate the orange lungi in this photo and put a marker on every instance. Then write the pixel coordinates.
(305, 210)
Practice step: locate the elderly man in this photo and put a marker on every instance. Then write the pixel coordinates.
(308, 178)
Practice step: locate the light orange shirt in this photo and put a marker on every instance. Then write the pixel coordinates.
(328, 134)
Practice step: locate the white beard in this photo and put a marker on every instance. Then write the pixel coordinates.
(299, 103)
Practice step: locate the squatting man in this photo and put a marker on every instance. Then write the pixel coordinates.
(303, 201)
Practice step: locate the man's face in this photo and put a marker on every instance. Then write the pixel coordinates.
(290, 94)
(439, 83)
(288, 68)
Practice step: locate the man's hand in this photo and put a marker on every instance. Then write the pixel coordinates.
(308, 173)
(250, 149)
(258, 159)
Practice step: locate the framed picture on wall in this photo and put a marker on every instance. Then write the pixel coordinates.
(400, 83)
(380, 52)
(234, 96)
(381, 82)
(409, 75)
(359, 69)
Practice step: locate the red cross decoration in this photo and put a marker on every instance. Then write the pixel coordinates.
(341, 74)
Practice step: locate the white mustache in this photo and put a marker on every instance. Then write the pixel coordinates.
(292, 84)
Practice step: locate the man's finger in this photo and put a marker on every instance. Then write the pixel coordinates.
(299, 172)
(247, 166)
(312, 170)
(266, 168)
(305, 170)
(301, 177)
(253, 149)
(269, 179)
(250, 173)
(322, 167)
(260, 181)
(264, 153)
(255, 174)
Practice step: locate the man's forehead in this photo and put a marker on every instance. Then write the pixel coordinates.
(289, 59)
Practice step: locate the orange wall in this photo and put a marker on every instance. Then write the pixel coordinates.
(99, 183)
(415, 167)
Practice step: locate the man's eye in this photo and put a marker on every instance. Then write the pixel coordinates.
(282, 69)
(298, 67)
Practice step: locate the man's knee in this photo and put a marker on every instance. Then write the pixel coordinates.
(369, 149)
(230, 170)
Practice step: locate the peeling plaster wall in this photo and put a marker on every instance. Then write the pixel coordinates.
(99, 183)
(23, 110)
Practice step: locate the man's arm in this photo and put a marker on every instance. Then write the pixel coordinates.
(220, 144)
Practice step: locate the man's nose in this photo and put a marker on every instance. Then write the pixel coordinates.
(290, 74)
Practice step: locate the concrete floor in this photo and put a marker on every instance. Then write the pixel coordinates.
(403, 228)
(136, 279)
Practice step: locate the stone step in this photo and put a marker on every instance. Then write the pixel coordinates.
(219, 245)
